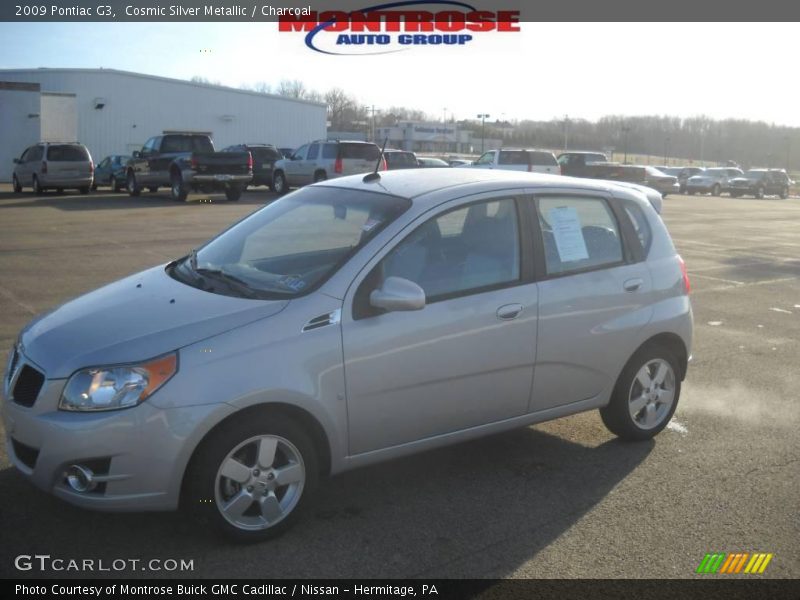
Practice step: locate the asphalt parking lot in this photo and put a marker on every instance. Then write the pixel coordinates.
(561, 499)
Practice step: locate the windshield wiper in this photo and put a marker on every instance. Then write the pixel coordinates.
(231, 281)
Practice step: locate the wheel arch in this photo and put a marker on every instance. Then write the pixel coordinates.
(671, 342)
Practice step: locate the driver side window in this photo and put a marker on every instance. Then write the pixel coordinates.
(466, 250)
(485, 159)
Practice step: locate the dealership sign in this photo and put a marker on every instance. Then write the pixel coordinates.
(397, 26)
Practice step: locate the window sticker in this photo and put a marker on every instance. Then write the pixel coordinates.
(567, 233)
(370, 225)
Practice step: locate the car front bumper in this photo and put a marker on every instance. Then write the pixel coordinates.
(138, 455)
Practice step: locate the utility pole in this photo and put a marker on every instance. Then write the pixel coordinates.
(666, 150)
(483, 117)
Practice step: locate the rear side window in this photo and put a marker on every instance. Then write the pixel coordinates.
(186, 143)
(359, 151)
(401, 159)
(640, 224)
(313, 152)
(543, 158)
(513, 157)
(67, 153)
(579, 234)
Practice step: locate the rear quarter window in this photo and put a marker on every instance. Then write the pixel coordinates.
(640, 225)
(513, 157)
(67, 153)
(543, 158)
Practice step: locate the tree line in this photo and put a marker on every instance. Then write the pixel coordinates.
(698, 139)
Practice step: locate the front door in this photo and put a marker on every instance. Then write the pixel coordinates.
(466, 358)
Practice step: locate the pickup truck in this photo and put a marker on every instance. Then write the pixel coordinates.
(187, 162)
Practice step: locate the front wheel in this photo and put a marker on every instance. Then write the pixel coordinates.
(132, 185)
(252, 477)
(279, 183)
(17, 184)
(645, 396)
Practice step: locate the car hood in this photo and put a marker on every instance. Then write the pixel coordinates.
(134, 319)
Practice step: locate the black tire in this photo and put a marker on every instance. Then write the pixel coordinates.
(617, 414)
(716, 190)
(114, 184)
(37, 189)
(152, 189)
(320, 176)
(202, 490)
(132, 184)
(759, 193)
(690, 192)
(17, 184)
(84, 190)
(178, 189)
(279, 183)
(233, 193)
(784, 193)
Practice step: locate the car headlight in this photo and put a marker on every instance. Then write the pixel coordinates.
(112, 388)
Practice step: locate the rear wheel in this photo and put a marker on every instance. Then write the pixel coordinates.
(645, 396)
(784, 193)
(133, 185)
(760, 192)
(178, 189)
(320, 176)
(17, 185)
(233, 193)
(253, 476)
(279, 183)
(715, 191)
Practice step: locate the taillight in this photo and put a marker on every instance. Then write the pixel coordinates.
(193, 163)
(44, 167)
(384, 166)
(337, 166)
(249, 161)
(686, 283)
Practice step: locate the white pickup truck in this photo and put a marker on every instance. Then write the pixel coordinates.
(517, 159)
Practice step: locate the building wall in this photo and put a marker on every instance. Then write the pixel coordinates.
(136, 107)
(19, 122)
(59, 118)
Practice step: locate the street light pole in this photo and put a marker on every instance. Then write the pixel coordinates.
(483, 117)
(666, 150)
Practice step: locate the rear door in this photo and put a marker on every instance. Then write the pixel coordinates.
(466, 358)
(514, 160)
(594, 295)
(67, 162)
(293, 166)
(358, 158)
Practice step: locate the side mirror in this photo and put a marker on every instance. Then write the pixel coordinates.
(136, 154)
(398, 294)
(17, 161)
(294, 157)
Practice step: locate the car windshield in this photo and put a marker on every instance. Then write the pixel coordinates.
(292, 245)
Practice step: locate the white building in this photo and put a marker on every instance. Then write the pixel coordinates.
(115, 112)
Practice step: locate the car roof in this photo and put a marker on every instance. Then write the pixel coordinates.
(416, 184)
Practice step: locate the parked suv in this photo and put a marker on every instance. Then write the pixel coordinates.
(264, 158)
(517, 159)
(353, 321)
(400, 159)
(54, 165)
(712, 181)
(760, 183)
(323, 160)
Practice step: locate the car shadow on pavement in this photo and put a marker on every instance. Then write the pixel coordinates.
(100, 201)
(478, 509)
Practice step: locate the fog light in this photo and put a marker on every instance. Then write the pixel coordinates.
(81, 479)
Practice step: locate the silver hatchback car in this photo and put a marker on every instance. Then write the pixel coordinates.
(347, 323)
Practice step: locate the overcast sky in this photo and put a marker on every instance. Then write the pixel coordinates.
(585, 70)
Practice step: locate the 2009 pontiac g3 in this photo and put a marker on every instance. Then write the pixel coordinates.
(350, 322)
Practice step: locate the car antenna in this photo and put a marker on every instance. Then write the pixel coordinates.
(375, 175)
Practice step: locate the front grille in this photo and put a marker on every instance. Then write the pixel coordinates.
(26, 454)
(12, 365)
(29, 384)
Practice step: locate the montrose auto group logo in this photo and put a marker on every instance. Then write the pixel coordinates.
(397, 26)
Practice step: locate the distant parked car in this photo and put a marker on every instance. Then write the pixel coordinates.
(517, 159)
(326, 159)
(459, 162)
(50, 165)
(400, 159)
(264, 158)
(432, 163)
(574, 163)
(111, 172)
(660, 181)
(712, 181)
(760, 183)
(685, 173)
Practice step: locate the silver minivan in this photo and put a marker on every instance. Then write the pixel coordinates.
(347, 323)
(54, 166)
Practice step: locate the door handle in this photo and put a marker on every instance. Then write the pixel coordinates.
(509, 311)
(631, 285)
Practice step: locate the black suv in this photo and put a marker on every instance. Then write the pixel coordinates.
(264, 157)
(760, 183)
